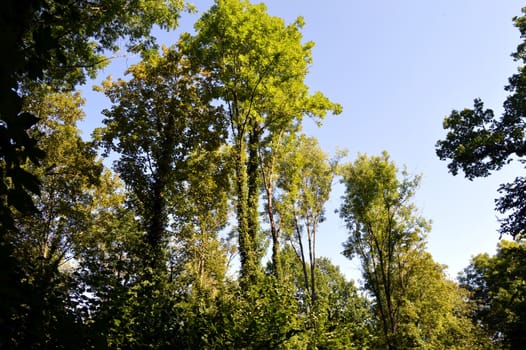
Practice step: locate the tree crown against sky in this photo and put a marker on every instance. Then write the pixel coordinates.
(479, 143)
(194, 303)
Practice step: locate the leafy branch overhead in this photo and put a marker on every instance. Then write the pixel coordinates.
(479, 143)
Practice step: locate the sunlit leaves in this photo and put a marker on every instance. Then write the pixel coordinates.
(158, 119)
(255, 66)
(385, 233)
(497, 293)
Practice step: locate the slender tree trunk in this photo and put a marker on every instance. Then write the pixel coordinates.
(268, 184)
(253, 180)
(383, 277)
(313, 272)
(276, 261)
(241, 211)
(312, 263)
(302, 253)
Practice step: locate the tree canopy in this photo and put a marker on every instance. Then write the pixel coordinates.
(497, 293)
(479, 143)
(213, 177)
(414, 303)
(256, 67)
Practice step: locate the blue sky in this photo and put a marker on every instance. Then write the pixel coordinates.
(398, 67)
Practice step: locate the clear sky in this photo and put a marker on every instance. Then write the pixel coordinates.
(398, 67)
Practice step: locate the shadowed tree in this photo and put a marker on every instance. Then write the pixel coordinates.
(158, 119)
(163, 130)
(479, 143)
(44, 42)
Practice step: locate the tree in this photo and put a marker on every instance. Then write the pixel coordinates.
(344, 313)
(297, 178)
(168, 135)
(255, 66)
(46, 44)
(434, 314)
(342, 318)
(478, 143)
(498, 293)
(69, 174)
(43, 241)
(108, 264)
(384, 232)
(158, 119)
(415, 305)
(199, 257)
(304, 183)
(198, 260)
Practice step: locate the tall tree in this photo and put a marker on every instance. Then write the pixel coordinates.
(109, 265)
(434, 314)
(343, 318)
(344, 314)
(165, 131)
(384, 231)
(304, 183)
(159, 117)
(256, 66)
(44, 241)
(479, 143)
(409, 289)
(46, 44)
(199, 256)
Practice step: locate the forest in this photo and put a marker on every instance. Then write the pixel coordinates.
(190, 219)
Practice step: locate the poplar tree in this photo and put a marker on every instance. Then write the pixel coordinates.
(415, 305)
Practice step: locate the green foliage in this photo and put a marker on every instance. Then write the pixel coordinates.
(97, 261)
(158, 119)
(43, 241)
(264, 316)
(414, 303)
(384, 233)
(109, 264)
(48, 44)
(305, 180)
(339, 318)
(478, 143)
(255, 66)
(168, 137)
(198, 259)
(434, 314)
(44, 42)
(498, 293)
(304, 183)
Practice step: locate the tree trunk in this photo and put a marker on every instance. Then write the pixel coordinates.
(244, 244)
(302, 254)
(253, 181)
